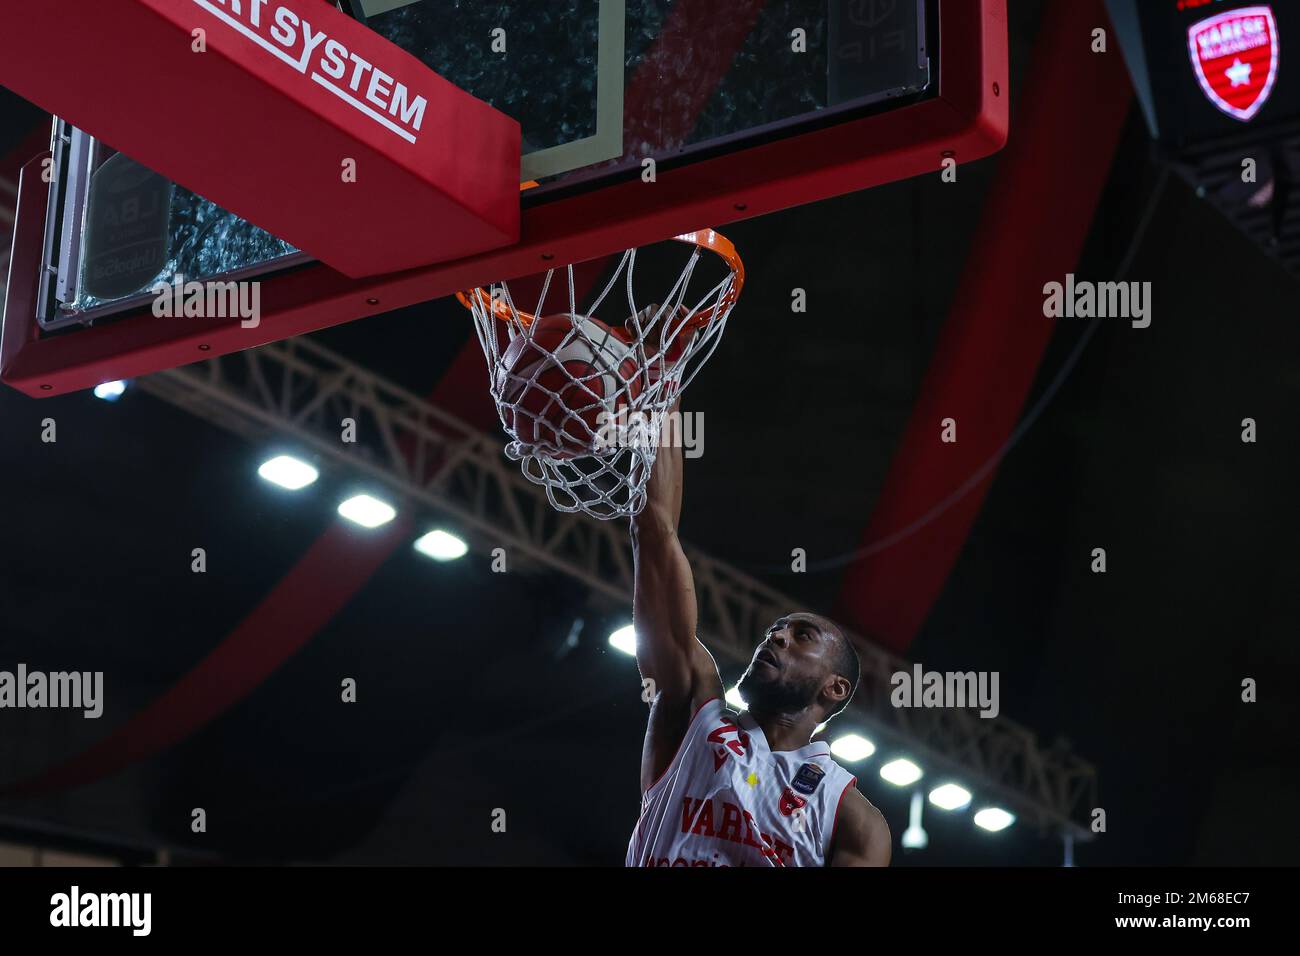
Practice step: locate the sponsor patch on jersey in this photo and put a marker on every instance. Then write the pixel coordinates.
(808, 777)
(790, 802)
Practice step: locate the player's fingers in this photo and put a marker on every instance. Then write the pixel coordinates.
(638, 320)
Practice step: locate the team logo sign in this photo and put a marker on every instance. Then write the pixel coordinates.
(1235, 56)
(790, 802)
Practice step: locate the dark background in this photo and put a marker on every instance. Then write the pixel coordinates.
(466, 704)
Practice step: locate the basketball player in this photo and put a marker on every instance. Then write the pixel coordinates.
(720, 789)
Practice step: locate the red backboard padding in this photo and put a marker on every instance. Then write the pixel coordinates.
(263, 121)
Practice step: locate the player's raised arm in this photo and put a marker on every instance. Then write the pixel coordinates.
(664, 615)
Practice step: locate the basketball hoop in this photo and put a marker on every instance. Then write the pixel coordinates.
(585, 401)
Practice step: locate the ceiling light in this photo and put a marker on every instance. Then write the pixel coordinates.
(624, 639)
(288, 472)
(110, 391)
(994, 819)
(367, 511)
(852, 747)
(901, 772)
(441, 546)
(950, 797)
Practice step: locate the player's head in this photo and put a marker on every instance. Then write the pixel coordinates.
(804, 661)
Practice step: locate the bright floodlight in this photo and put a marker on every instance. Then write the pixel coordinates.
(950, 797)
(901, 772)
(853, 748)
(994, 819)
(735, 700)
(915, 837)
(110, 391)
(288, 472)
(441, 546)
(366, 511)
(624, 639)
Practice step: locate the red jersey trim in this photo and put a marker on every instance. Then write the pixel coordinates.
(680, 744)
(830, 841)
(641, 837)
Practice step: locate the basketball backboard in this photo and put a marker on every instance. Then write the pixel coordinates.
(598, 85)
(640, 120)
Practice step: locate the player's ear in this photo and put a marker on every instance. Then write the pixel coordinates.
(836, 689)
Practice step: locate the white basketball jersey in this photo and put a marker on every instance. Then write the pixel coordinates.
(727, 800)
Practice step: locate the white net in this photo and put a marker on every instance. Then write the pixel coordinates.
(588, 402)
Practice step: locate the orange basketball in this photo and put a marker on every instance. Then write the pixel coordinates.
(561, 381)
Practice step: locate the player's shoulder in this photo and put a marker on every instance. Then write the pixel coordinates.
(839, 780)
(855, 806)
(711, 708)
(857, 818)
(861, 814)
(691, 718)
(861, 828)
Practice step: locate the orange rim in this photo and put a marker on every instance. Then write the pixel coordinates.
(707, 239)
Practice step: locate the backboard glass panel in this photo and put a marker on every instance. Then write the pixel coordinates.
(115, 229)
(599, 85)
(553, 67)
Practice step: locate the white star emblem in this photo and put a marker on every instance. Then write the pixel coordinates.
(1239, 73)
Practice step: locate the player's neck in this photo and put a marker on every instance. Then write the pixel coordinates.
(786, 730)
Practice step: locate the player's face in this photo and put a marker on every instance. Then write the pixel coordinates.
(789, 666)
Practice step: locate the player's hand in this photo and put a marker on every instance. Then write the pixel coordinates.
(664, 333)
